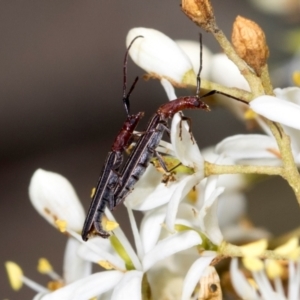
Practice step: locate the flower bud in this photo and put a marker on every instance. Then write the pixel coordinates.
(55, 199)
(200, 12)
(160, 56)
(250, 43)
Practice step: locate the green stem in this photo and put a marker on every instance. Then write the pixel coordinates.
(229, 250)
(252, 79)
(213, 169)
(235, 92)
(290, 171)
(266, 80)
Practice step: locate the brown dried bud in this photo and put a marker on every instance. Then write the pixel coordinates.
(200, 12)
(250, 43)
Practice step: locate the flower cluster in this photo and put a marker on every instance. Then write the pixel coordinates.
(187, 227)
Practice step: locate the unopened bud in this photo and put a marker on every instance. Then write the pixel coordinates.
(160, 56)
(250, 43)
(53, 196)
(200, 12)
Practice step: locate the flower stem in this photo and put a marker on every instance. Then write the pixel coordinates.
(229, 250)
(290, 172)
(235, 92)
(252, 79)
(213, 169)
(266, 80)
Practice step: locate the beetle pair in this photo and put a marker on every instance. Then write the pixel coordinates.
(114, 185)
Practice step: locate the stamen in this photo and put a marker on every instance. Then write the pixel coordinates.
(288, 247)
(109, 225)
(254, 249)
(250, 114)
(55, 285)
(61, 225)
(105, 264)
(296, 78)
(253, 264)
(44, 267)
(17, 279)
(93, 192)
(15, 275)
(273, 269)
(193, 195)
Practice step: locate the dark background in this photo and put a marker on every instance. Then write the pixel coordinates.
(60, 106)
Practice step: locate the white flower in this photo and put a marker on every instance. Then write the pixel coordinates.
(284, 109)
(192, 50)
(262, 149)
(254, 149)
(74, 269)
(279, 7)
(127, 282)
(156, 53)
(116, 253)
(86, 288)
(55, 199)
(225, 72)
(264, 289)
(199, 269)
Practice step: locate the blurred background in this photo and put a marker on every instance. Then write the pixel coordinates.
(60, 99)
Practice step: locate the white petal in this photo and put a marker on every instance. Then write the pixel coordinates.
(248, 146)
(169, 89)
(240, 283)
(157, 53)
(159, 196)
(291, 94)
(192, 50)
(165, 147)
(129, 287)
(186, 148)
(151, 227)
(136, 234)
(209, 219)
(231, 207)
(278, 7)
(225, 72)
(125, 243)
(87, 287)
(148, 183)
(237, 234)
(169, 246)
(194, 274)
(210, 187)
(232, 182)
(294, 134)
(264, 286)
(277, 110)
(39, 296)
(74, 267)
(54, 198)
(294, 281)
(183, 187)
(93, 250)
